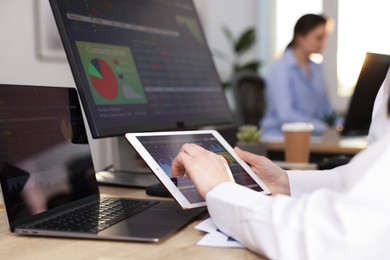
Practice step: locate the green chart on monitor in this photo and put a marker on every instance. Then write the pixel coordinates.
(111, 73)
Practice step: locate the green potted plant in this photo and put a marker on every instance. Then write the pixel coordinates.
(239, 47)
(330, 134)
(248, 139)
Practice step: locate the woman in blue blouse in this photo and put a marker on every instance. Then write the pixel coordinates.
(295, 85)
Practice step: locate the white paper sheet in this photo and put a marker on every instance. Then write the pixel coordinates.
(214, 237)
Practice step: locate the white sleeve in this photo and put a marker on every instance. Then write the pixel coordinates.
(324, 224)
(303, 182)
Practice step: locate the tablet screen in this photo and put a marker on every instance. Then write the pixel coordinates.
(164, 149)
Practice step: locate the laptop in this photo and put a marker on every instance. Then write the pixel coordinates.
(48, 180)
(372, 74)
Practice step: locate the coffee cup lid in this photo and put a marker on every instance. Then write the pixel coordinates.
(297, 127)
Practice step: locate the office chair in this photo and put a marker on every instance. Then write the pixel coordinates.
(248, 89)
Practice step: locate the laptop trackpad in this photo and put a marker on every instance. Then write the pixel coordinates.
(155, 222)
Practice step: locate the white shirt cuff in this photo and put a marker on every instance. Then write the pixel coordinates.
(303, 182)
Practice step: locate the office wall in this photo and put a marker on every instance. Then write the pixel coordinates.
(21, 64)
(235, 15)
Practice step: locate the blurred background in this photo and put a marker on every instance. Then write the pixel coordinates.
(31, 52)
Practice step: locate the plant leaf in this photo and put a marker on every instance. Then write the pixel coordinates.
(221, 55)
(248, 133)
(226, 84)
(229, 35)
(245, 41)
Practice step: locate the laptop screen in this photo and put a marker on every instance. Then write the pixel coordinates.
(45, 161)
(358, 118)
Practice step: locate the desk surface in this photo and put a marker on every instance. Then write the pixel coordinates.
(180, 245)
(348, 146)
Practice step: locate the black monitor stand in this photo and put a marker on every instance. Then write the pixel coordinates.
(127, 170)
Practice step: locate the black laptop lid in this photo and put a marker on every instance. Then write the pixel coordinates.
(45, 161)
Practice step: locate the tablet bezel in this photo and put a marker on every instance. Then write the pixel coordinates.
(132, 138)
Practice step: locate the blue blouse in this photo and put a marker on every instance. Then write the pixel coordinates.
(294, 96)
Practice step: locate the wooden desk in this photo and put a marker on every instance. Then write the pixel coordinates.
(181, 245)
(350, 147)
(346, 146)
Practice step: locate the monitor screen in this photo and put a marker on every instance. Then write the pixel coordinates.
(373, 72)
(141, 65)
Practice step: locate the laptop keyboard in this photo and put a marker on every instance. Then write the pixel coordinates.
(96, 216)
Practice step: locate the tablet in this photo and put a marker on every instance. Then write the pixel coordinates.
(158, 149)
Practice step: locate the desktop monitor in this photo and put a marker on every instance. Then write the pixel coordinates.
(373, 72)
(140, 65)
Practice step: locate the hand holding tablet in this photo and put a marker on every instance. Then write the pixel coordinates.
(161, 148)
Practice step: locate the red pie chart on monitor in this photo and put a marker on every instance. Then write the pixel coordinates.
(103, 78)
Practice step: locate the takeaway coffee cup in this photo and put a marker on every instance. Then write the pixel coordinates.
(297, 141)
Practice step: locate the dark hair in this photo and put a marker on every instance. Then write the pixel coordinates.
(305, 24)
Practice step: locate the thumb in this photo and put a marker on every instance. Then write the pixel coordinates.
(248, 157)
